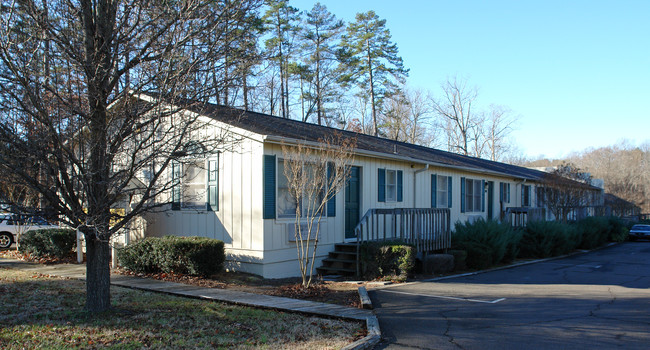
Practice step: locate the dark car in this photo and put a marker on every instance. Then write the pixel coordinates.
(639, 232)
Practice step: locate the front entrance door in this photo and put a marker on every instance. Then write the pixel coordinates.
(490, 200)
(352, 201)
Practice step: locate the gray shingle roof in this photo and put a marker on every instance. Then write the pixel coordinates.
(287, 128)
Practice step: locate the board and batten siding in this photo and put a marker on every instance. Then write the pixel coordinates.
(238, 220)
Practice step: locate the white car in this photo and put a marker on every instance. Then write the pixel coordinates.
(12, 224)
(639, 231)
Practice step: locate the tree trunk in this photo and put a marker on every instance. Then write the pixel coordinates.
(98, 277)
(372, 93)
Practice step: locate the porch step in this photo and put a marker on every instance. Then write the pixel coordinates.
(341, 261)
(336, 270)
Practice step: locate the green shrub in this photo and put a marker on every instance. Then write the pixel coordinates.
(387, 259)
(460, 259)
(500, 240)
(595, 231)
(54, 242)
(186, 255)
(479, 255)
(542, 239)
(139, 257)
(617, 230)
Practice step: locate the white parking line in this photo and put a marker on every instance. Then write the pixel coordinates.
(445, 297)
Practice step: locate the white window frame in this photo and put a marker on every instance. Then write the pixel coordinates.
(285, 206)
(505, 192)
(200, 182)
(442, 191)
(473, 195)
(391, 188)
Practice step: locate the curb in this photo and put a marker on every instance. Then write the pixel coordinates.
(372, 326)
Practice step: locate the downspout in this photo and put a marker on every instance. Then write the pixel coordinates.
(415, 174)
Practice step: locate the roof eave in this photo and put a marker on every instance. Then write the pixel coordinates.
(274, 139)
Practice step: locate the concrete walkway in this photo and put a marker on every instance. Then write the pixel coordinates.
(78, 271)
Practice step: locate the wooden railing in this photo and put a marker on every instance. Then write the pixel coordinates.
(520, 217)
(426, 229)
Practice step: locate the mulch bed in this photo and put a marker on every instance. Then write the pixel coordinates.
(341, 293)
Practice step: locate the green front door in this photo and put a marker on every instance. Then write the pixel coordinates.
(490, 200)
(352, 199)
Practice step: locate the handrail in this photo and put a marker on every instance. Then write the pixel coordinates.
(427, 229)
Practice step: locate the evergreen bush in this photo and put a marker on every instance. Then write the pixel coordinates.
(543, 239)
(185, 255)
(499, 238)
(387, 259)
(52, 242)
(595, 231)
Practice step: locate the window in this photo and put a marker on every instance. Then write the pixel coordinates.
(473, 196)
(389, 184)
(525, 195)
(440, 191)
(504, 192)
(286, 203)
(195, 184)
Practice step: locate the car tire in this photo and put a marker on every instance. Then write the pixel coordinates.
(6, 239)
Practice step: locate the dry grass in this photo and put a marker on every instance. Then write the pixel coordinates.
(45, 312)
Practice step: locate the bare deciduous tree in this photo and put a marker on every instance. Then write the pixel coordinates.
(85, 92)
(565, 190)
(456, 109)
(315, 174)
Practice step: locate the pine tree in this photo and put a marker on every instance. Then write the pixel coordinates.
(372, 61)
(281, 22)
(321, 35)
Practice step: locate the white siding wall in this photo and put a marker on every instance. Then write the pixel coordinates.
(264, 247)
(280, 253)
(238, 221)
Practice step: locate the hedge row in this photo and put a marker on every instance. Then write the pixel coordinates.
(490, 242)
(387, 259)
(186, 255)
(486, 242)
(55, 242)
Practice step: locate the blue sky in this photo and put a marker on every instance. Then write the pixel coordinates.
(576, 72)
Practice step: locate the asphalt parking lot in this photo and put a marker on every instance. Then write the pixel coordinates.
(596, 300)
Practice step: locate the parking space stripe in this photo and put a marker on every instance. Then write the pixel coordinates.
(445, 297)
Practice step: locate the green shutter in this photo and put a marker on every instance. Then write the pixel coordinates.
(381, 185)
(176, 186)
(483, 195)
(462, 194)
(213, 184)
(434, 190)
(269, 187)
(399, 186)
(501, 192)
(331, 203)
(449, 196)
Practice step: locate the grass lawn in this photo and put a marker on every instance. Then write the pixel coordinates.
(46, 312)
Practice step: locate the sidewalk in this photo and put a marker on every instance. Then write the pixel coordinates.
(78, 271)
